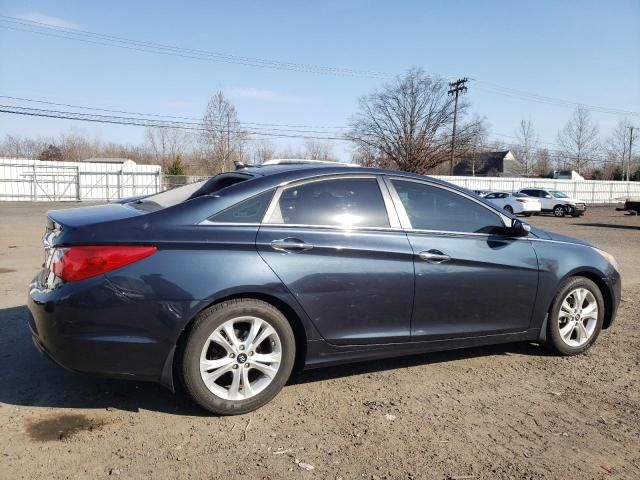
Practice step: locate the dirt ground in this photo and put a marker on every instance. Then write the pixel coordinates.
(502, 412)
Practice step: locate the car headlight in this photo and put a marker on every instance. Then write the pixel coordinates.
(608, 257)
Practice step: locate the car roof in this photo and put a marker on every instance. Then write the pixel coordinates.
(289, 172)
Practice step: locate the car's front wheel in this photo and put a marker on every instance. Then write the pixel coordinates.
(237, 356)
(576, 317)
(509, 208)
(559, 211)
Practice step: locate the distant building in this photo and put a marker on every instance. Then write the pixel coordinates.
(124, 161)
(490, 164)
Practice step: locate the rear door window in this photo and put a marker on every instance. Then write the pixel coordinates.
(346, 203)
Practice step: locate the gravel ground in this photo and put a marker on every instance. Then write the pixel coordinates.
(500, 412)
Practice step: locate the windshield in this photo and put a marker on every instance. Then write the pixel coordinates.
(558, 194)
(519, 195)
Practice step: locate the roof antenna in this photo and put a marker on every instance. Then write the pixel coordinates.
(240, 164)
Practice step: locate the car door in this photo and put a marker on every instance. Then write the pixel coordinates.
(471, 277)
(546, 200)
(337, 244)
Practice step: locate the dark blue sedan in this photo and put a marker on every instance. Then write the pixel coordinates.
(227, 285)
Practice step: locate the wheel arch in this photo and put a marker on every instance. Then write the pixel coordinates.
(300, 332)
(607, 296)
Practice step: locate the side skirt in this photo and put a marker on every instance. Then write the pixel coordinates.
(322, 354)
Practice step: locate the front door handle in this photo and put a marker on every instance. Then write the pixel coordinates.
(434, 256)
(290, 245)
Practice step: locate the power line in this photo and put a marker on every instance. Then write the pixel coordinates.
(145, 122)
(259, 126)
(41, 28)
(100, 109)
(532, 97)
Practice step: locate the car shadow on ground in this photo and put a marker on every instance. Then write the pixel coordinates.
(609, 225)
(27, 378)
(424, 359)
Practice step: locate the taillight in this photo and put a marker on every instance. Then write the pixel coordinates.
(78, 263)
(521, 200)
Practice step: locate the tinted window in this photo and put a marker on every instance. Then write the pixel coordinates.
(531, 193)
(352, 202)
(247, 211)
(491, 195)
(433, 208)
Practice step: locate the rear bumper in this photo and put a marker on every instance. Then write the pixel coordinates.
(531, 207)
(90, 327)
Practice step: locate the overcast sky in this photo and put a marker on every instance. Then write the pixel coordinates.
(582, 51)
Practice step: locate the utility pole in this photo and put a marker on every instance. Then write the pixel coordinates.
(228, 155)
(455, 88)
(629, 161)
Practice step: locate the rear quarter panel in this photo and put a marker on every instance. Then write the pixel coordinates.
(204, 264)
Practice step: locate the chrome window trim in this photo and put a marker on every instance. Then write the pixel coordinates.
(392, 213)
(334, 227)
(228, 224)
(391, 216)
(404, 217)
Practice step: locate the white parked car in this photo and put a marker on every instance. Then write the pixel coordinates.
(557, 202)
(515, 202)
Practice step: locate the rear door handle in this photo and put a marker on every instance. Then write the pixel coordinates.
(290, 245)
(434, 256)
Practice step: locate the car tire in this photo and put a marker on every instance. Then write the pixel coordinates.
(208, 341)
(527, 214)
(561, 337)
(559, 211)
(509, 209)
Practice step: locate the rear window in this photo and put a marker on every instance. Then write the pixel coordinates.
(172, 197)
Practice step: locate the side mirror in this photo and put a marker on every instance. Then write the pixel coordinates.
(548, 196)
(519, 228)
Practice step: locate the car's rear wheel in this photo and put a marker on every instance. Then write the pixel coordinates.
(508, 208)
(559, 211)
(238, 356)
(576, 316)
(527, 214)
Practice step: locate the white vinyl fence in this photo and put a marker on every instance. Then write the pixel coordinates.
(590, 191)
(35, 180)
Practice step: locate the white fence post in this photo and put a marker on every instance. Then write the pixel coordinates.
(78, 196)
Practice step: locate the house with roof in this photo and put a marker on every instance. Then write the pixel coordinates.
(490, 164)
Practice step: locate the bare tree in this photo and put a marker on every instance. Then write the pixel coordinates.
(262, 151)
(527, 145)
(542, 165)
(223, 139)
(318, 150)
(18, 147)
(579, 140)
(408, 122)
(167, 144)
(617, 145)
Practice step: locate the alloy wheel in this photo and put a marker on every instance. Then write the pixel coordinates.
(578, 317)
(240, 358)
